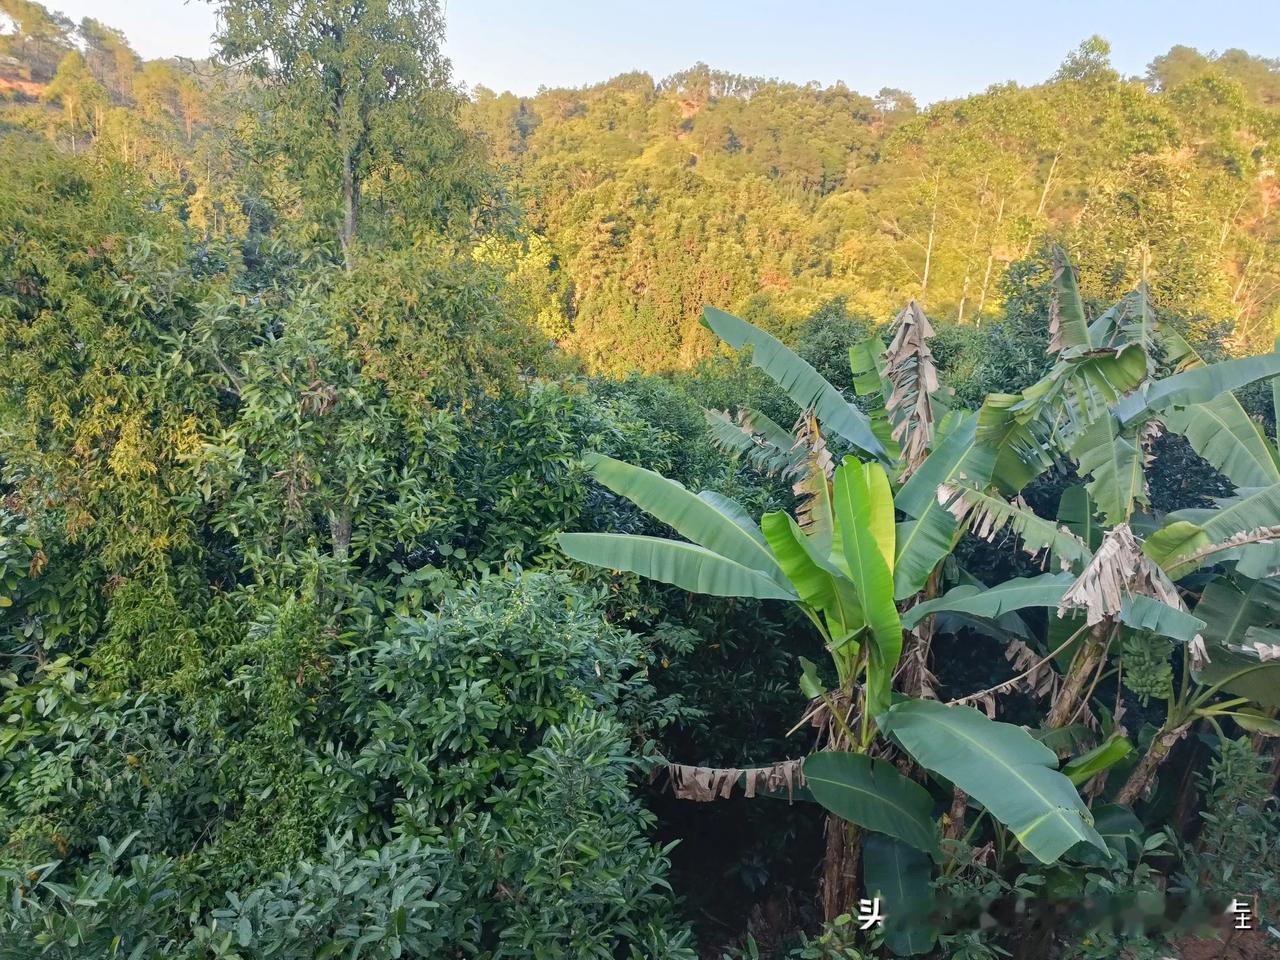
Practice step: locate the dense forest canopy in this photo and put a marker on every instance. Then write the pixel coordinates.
(771, 198)
(356, 599)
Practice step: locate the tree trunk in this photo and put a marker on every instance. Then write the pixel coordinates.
(1044, 196)
(968, 260)
(1048, 180)
(840, 868)
(928, 250)
(1161, 744)
(968, 275)
(350, 210)
(1078, 675)
(340, 530)
(991, 256)
(916, 679)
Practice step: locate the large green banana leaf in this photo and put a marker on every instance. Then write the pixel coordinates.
(1230, 611)
(1095, 382)
(1194, 538)
(1083, 387)
(1076, 513)
(1113, 460)
(924, 542)
(921, 545)
(803, 384)
(736, 512)
(1171, 545)
(1244, 675)
(1068, 324)
(991, 603)
(1002, 767)
(900, 876)
(684, 565)
(1021, 454)
(1146, 613)
(866, 361)
(874, 795)
(1220, 431)
(1230, 608)
(1261, 508)
(864, 520)
(732, 535)
(1198, 385)
(819, 583)
(1130, 320)
(958, 454)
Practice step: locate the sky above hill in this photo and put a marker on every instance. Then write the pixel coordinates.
(934, 48)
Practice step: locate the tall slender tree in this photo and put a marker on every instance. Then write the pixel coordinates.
(358, 108)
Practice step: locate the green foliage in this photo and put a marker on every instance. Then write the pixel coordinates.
(1001, 766)
(402, 897)
(1239, 842)
(777, 201)
(356, 105)
(872, 794)
(285, 665)
(113, 908)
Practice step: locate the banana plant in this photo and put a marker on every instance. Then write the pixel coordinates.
(1225, 642)
(1117, 381)
(844, 561)
(840, 573)
(930, 451)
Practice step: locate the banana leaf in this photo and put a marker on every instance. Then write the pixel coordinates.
(991, 603)
(1080, 770)
(900, 876)
(866, 361)
(874, 795)
(864, 520)
(1068, 328)
(684, 565)
(803, 384)
(702, 520)
(815, 578)
(1147, 613)
(1113, 460)
(1220, 431)
(924, 542)
(1021, 453)
(1231, 611)
(1002, 767)
(1169, 547)
(1198, 385)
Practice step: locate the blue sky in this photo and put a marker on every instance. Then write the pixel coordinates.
(934, 48)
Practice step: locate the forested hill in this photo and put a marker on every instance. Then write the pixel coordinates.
(648, 200)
